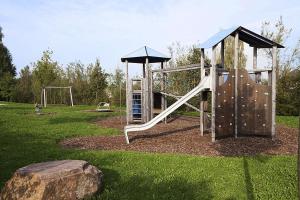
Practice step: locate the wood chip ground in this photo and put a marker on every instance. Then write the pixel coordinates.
(181, 135)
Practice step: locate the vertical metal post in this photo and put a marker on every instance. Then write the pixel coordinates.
(274, 67)
(236, 57)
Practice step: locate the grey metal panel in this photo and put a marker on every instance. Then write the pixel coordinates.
(245, 35)
(140, 55)
(218, 37)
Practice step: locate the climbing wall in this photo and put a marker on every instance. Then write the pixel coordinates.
(224, 120)
(253, 107)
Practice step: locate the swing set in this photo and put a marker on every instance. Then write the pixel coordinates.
(44, 94)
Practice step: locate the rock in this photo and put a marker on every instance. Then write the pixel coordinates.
(65, 179)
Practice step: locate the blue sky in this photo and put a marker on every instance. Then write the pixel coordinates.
(107, 29)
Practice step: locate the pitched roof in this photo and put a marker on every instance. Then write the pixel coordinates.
(140, 55)
(245, 35)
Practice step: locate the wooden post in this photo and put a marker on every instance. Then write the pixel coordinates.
(71, 96)
(42, 97)
(147, 90)
(254, 58)
(127, 93)
(274, 66)
(45, 98)
(201, 94)
(164, 88)
(222, 54)
(236, 61)
(213, 94)
(144, 72)
(151, 94)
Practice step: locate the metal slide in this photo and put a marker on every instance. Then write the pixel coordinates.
(204, 84)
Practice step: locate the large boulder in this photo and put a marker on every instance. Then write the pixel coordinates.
(65, 179)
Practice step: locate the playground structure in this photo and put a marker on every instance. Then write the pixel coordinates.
(241, 104)
(44, 94)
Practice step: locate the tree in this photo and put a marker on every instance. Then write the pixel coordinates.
(7, 72)
(46, 72)
(229, 54)
(98, 83)
(117, 87)
(287, 61)
(24, 91)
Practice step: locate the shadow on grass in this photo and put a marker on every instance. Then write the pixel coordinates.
(152, 187)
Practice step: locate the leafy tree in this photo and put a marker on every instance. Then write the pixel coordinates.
(24, 92)
(287, 61)
(98, 83)
(229, 54)
(76, 75)
(46, 72)
(179, 83)
(7, 72)
(117, 87)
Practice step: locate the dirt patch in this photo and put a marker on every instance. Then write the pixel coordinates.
(181, 135)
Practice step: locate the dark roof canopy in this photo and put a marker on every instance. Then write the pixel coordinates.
(245, 35)
(140, 55)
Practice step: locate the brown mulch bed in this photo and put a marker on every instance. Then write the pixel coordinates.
(181, 135)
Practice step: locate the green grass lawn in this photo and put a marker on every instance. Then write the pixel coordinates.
(27, 138)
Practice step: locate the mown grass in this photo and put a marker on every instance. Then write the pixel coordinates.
(26, 138)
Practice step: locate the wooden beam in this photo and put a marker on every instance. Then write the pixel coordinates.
(274, 66)
(177, 97)
(57, 87)
(178, 69)
(236, 61)
(213, 94)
